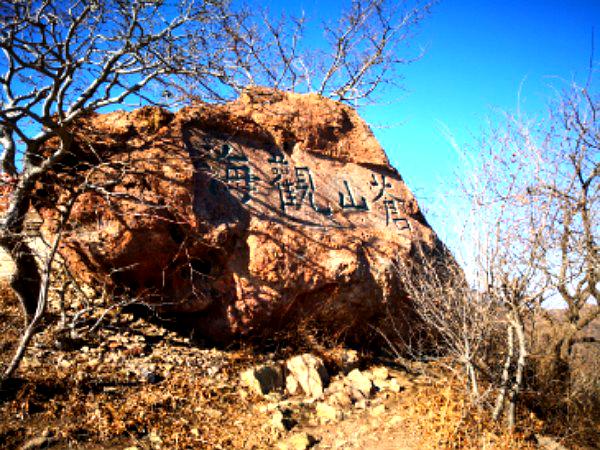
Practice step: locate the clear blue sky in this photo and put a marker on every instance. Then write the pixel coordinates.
(478, 54)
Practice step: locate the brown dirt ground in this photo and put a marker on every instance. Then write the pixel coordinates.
(137, 385)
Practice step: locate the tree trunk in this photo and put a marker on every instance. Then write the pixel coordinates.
(510, 342)
(521, 362)
(26, 279)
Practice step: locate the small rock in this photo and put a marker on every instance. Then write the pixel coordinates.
(395, 420)
(336, 386)
(356, 395)
(379, 373)
(350, 361)
(282, 420)
(298, 441)
(548, 443)
(310, 373)
(394, 386)
(150, 375)
(341, 399)
(361, 404)
(65, 364)
(340, 443)
(377, 410)
(360, 381)
(278, 421)
(39, 443)
(327, 413)
(381, 385)
(263, 379)
(93, 363)
(154, 438)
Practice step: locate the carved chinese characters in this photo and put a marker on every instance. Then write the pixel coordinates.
(290, 184)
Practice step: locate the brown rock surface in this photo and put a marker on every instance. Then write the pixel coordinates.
(246, 216)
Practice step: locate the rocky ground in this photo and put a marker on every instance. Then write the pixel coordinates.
(136, 385)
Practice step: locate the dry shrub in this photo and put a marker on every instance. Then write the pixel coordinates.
(447, 419)
(566, 394)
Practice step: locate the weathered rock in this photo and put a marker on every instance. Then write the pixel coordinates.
(307, 371)
(297, 441)
(360, 382)
(377, 411)
(277, 421)
(548, 443)
(357, 395)
(282, 419)
(326, 413)
(340, 399)
(245, 217)
(336, 386)
(264, 379)
(378, 373)
(361, 404)
(393, 385)
(291, 384)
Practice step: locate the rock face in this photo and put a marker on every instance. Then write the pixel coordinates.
(245, 217)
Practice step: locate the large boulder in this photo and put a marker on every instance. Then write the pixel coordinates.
(245, 217)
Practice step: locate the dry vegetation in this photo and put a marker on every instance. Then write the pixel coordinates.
(136, 384)
(570, 407)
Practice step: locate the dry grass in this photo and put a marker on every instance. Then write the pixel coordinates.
(95, 394)
(92, 399)
(447, 419)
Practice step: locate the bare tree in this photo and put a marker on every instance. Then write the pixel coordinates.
(530, 238)
(360, 52)
(459, 318)
(61, 62)
(536, 189)
(546, 176)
